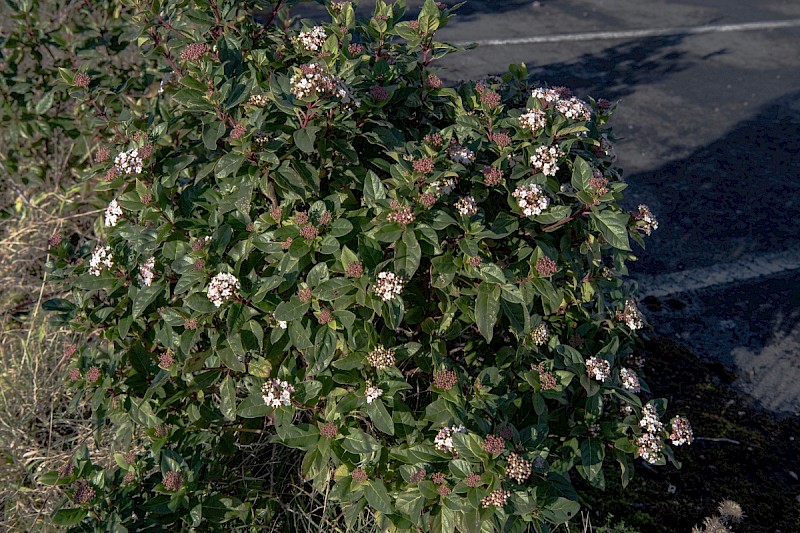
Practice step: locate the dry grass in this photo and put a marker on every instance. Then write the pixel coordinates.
(38, 429)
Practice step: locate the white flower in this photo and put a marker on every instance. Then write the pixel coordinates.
(101, 260)
(282, 324)
(312, 40)
(128, 162)
(574, 108)
(650, 447)
(548, 95)
(545, 159)
(466, 206)
(531, 199)
(681, 431)
(373, 393)
(647, 222)
(533, 120)
(630, 316)
(444, 185)
(113, 212)
(598, 369)
(388, 285)
(444, 439)
(147, 272)
(650, 421)
(460, 154)
(630, 380)
(222, 287)
(277, 393)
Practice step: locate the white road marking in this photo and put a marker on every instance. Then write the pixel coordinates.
(745, 269)
(634, 34)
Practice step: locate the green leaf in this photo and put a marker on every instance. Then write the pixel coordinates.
(69, 517)
(358, 442)
(487, 306)
(144, 297)
(373, 189)
(253, 407)
(560, 510)
(304, 138)
(211, 134)
(380, 416)
(378, 497)
(324, 349)
(227, 165)
(407, 255)
(581, 174)
(227, 393)
(45, 103)
(200, 303)
(294, 309)
(613, 226)
(592, 455)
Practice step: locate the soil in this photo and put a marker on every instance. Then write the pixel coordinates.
(741, 453)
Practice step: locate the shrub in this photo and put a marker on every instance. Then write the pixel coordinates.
(310, 238)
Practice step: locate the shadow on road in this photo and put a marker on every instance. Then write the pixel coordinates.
(616, 71)
(737, 195)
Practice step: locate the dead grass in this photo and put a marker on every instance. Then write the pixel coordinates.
(38, 429)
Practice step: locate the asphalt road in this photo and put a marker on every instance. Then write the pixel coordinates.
(709, 120)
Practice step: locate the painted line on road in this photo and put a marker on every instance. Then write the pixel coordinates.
(745, 269)
(637, 34)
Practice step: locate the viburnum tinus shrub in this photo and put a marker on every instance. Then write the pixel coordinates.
(310, 238)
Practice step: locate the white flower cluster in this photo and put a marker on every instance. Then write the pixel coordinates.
(128, 162)
(222, 287)
(630, 380)
(650, 444)
(533, 120)
(681, 432)
(650, 422)
(548, 95)
(466, 206)
(631, 316)
(388, 285)
(312, 40)
(276, 393)
(312, 79)
(531, 199)
(574, 108)
(444, 185)
(101, 260)
(598, 369)
(444, 439)
(460, 154)
(650, 447)
(147, 272)
(258, 100)
(373, 393)
(540, 334)
(381, 357)
(113, 212)
(545, 159)
(648, 222)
